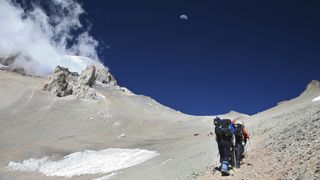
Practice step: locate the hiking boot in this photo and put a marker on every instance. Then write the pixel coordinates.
(225, 173)
(224, 169)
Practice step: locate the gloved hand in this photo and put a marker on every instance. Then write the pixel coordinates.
(244, 143)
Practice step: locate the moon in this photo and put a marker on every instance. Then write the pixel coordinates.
(183, 17)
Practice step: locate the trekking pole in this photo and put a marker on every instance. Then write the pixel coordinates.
(248, 147)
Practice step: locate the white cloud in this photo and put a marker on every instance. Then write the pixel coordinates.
(42, 41)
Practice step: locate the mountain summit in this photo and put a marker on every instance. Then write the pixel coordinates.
(313, 86)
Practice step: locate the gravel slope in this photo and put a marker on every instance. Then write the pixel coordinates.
(285, 143)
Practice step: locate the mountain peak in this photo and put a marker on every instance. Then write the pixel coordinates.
(233, 115)
(314, 85)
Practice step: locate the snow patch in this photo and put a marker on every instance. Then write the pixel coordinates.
(86, 162)
(77, 63)
(122, 136)
(164, 162)
(316, 99)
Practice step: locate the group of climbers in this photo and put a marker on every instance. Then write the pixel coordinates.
(231, 137)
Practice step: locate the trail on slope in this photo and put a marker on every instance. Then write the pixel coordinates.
(286, 146)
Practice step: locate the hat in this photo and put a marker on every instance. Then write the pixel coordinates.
(216, 120)
(237, 122)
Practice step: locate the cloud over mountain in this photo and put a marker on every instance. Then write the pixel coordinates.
(41, 36)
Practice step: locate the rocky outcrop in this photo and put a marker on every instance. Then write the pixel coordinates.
(63, 82)
(83, 87)
(314, 85)
(87, 77)
(9, 63)
(6, 61)
(104, 76)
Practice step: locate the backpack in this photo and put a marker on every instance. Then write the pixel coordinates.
(222, 127)
(238, 132)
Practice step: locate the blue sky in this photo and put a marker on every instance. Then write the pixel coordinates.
(229, 55)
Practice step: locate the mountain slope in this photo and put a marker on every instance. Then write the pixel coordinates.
(36, 123)
(284, 141)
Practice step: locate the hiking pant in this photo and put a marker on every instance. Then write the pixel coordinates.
(239, 152)
(224, 149)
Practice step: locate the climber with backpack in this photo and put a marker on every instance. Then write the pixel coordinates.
(224, 130)
(241, 137)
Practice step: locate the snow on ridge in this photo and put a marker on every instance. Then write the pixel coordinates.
(316, 99)
(86, 162)
(77, 63)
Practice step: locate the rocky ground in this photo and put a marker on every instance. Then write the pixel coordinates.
(285, 146)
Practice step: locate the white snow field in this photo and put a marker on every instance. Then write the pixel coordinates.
(87, 162)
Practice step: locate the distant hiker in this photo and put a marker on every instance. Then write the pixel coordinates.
(224, 132)
(241, 135)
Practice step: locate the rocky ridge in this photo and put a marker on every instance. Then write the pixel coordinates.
(314, 85)
(63, 82)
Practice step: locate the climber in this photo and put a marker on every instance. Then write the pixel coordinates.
(224, 131)
(242, 136)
